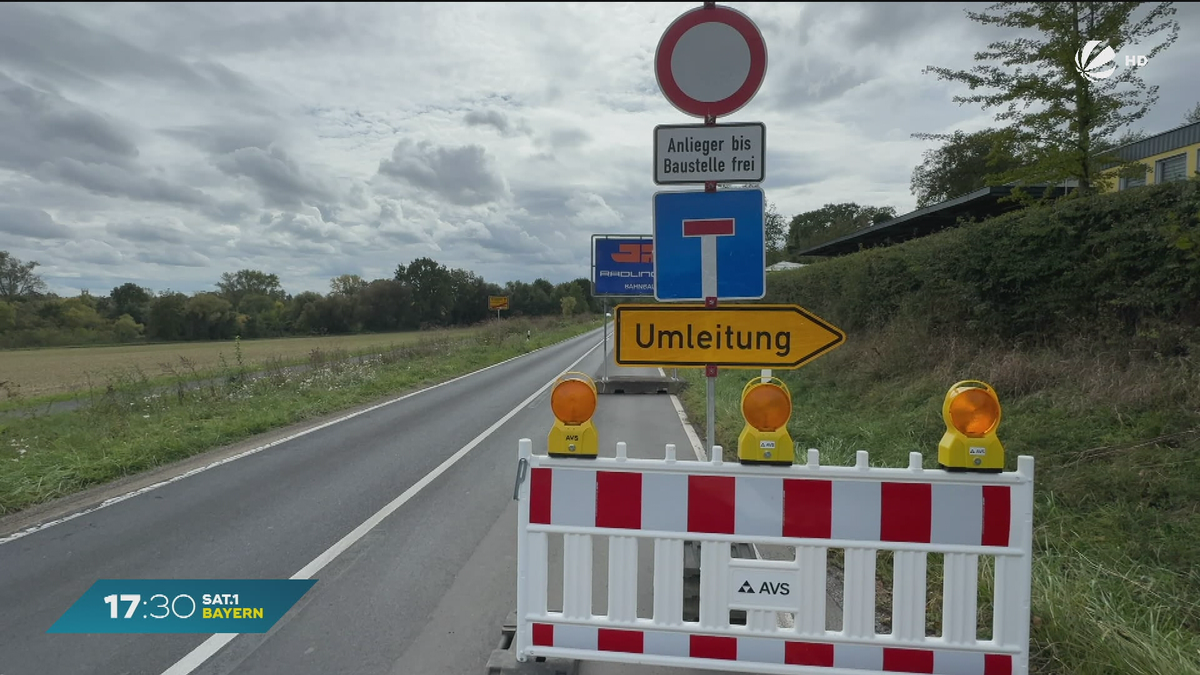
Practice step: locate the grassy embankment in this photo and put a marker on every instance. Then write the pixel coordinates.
(39, 376)
(1084, 318)
(134, 429)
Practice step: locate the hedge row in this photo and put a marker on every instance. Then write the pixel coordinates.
(1123, 264)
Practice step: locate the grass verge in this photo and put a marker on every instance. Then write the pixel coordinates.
(1116, 440)
(129, 430)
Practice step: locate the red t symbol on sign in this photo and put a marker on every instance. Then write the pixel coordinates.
(708, 226)
(708, 229)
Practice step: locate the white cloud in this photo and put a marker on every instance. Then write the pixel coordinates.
(168, 143)
(464, 175)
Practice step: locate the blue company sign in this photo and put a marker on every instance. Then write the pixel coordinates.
(623, 266)
(682, 221)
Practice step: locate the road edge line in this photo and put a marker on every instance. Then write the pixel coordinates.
(207, 649)
(34, 529)
(697, 446)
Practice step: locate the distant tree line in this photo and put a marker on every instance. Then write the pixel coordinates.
(253, 304)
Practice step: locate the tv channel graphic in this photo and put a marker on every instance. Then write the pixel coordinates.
(623, 265)
(182, 606)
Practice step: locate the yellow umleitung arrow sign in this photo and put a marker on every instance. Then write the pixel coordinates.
(732, 336)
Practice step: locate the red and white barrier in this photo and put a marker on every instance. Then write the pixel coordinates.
(912, 512)
(775, 506)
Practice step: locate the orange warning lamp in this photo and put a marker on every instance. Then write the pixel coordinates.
(573, 401)
(972, 414)
(767, 407)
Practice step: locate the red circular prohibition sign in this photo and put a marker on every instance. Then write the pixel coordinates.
(666, 48)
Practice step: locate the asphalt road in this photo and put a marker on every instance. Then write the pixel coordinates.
(425, 591)
(270, 514)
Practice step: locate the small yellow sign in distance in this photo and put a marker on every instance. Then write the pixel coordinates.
(497, 302)
(730, 336)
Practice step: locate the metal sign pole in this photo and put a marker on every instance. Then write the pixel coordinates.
(708, 276)
(605, 340)
(694, 56)
(711, 408)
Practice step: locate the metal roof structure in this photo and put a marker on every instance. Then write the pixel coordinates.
(985, 202)
(1179, 137)
(982, 203)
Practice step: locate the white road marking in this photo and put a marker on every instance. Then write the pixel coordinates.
(214, 643)
(697, 446)
(129, 495)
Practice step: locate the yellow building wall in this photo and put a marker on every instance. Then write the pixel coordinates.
(1193, 166)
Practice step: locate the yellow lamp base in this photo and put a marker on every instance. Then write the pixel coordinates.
(957, 452)
(574, 440)
(765, 447)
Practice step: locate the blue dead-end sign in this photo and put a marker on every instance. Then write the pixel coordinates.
(709, 244)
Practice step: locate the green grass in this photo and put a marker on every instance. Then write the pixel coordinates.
(130, 430)
(1116, 440)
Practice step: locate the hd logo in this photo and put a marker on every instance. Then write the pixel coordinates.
(766, 588)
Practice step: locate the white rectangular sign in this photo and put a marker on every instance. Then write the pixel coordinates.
(760, 588)
(696, 153)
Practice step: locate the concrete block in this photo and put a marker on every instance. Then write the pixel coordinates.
(638, 384)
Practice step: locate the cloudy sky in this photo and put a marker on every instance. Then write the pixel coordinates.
(165, 144)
